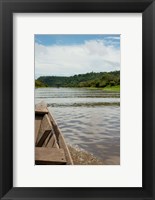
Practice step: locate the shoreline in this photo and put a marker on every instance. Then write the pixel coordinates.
(107, 89)
(83, 157)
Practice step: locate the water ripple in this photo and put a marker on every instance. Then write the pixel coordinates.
(89, 119)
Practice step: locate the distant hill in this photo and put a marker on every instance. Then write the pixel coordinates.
(92, 79)
(39, 83)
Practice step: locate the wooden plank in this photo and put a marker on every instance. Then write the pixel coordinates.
(63, 145)
(60, 139)
(49, 156)
(55, 126)
(53, 142)
(43, 138)
(41, 112)
(41, 105)
(47, 140)
(41, 108)
(45, 126)
(38, 120)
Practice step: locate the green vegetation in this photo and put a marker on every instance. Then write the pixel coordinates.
(40, 84)
(112, 88)
(106, 80)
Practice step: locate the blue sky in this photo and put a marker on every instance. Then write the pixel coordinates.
(49, 40)
(66, 55)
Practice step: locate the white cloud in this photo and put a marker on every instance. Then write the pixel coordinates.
(67, 60)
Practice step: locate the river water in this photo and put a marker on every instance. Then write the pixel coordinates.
(88, 118)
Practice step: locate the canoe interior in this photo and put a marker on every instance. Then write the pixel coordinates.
(50, 146)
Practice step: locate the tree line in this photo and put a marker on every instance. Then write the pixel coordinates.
(92, 79)
(40, 84)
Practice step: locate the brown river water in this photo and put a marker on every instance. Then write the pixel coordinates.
(88, 118)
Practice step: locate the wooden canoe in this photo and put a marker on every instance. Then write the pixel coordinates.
(50, 146)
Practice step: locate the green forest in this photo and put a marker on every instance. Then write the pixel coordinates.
(92, 80)
(40, 84)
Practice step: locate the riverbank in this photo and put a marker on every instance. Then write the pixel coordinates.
(81, 157)
(112, 88)
(107, 88)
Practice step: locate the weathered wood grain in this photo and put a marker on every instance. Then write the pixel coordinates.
(63, 145)
(41, 112)
(60, 139)
(47, 140)
(41, 108)
(43, 138)
(38, 120)
(53, 142)
(45, 126)
(50, 156)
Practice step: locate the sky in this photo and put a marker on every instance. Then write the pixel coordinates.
(67, 55)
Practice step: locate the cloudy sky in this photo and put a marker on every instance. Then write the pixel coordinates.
(66, 55)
